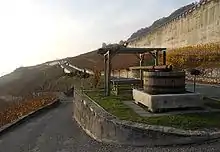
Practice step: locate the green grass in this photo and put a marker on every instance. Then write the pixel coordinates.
(113, 105)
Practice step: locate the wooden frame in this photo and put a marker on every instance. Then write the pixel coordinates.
(111, 51)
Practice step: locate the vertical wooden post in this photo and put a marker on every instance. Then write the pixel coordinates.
(108, 82)
(194, 84)
(164, 57)
(105, 73)
(141, 72)
(107, 76)
(156, 59)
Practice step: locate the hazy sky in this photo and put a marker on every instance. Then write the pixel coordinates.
(35, 31)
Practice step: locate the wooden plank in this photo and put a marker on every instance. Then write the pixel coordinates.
(124, 50)
(156, 59)
(105, 74)
(141, 71)
(108, 74)
(126, 82)
(138, 50)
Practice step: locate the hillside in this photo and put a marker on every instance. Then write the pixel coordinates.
(144, 31)
(92, 60)
(24, 81)
(49, 76)
(3, 104)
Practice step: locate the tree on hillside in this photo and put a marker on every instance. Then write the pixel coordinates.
(104, 45)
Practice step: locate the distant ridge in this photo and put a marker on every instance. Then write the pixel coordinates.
(144, 31)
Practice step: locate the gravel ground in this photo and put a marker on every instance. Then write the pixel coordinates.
(55, 131)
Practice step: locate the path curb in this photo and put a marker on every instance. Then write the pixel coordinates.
(24, 118)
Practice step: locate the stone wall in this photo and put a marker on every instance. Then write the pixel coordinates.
(210, 76)
(122, 73)
(104, 127)
(199, 25)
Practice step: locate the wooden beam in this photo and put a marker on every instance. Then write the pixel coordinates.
(124, 50)
(156, 59)
(138, 50)
(105, 73)
(137, 55)
(108, 74)
(141, 71)
(108, 68)
(164, 57)
(152, 54)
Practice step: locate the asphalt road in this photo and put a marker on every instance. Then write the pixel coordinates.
(207, 90)
(55, 131)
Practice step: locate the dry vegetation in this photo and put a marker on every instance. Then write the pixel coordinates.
(200, 56)
(26, 83)
(17, 109)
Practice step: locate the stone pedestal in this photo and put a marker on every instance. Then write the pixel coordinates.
(167, 101)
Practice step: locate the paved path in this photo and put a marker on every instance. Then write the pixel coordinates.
(207, 90)
(55, 131)
(140, 111)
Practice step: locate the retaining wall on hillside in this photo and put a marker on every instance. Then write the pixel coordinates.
(104, 127)
(198, 25)
(211, 75)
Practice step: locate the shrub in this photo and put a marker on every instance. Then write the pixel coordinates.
(96, 78)
(18, 109)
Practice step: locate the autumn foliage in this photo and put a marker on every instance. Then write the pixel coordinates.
(199, 56)
(16, 110)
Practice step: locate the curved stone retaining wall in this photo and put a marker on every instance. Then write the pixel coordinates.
(104, 127)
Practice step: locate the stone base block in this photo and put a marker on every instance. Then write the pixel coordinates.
(156, 103)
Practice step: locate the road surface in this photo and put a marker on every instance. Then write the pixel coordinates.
(207, 90)
(55, 131)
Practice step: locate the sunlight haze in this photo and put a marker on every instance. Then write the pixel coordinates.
(36, 31)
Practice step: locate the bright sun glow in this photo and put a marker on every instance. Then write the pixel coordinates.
(30, 34)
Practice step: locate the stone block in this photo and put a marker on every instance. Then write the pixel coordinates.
(167, 101)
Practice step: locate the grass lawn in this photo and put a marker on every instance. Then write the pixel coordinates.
(114, 106)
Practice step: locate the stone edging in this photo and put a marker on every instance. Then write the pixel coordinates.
(9, 126)
(215, 99)
(126, 130)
